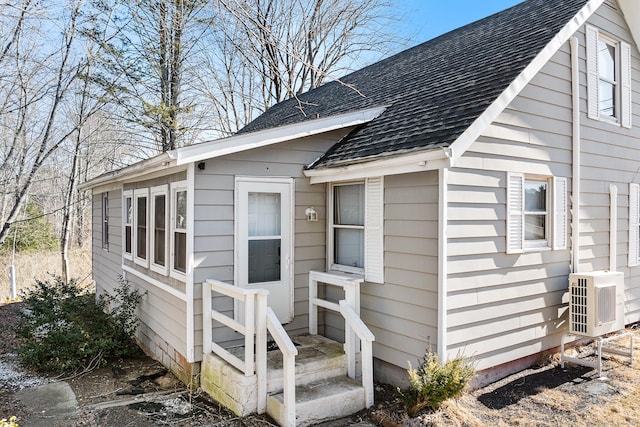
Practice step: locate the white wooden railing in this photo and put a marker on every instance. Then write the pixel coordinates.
(247, 328)
(355, 329)
(258, 319)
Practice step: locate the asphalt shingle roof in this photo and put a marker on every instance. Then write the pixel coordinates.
(434, 90)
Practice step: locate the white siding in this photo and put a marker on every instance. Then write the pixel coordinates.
(214, 222)
(402, 312)
(503, 307)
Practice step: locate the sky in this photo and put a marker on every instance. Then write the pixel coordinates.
(422, 20)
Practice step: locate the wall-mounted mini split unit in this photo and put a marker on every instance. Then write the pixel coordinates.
(596, 303)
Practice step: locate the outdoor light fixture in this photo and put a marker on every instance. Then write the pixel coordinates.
(311, 214)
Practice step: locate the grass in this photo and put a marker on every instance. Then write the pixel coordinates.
(41, 265)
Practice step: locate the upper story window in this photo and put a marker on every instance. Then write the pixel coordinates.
(537, 212)
(355, 238)
(105, 221)
(608, 78)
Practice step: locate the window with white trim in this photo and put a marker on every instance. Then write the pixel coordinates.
(634, 224)
(127, 232)
(356, 228)
(159, 222)
(105, 221)
(179, 212)
(536, 212)
(140, 230)
(608, 78)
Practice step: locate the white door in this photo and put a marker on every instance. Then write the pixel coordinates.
(264, 240)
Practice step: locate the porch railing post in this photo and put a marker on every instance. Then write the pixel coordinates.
(261, 349)
(206, 318)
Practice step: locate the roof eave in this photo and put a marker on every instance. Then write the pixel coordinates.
(252, 140)
(153, 165)
(473, 132)
(393, 165)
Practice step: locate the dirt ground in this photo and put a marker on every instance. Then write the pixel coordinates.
(139, 392)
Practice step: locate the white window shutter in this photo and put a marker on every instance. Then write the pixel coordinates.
(560, 217)
(625, 77)
(593, 109)
(634, 223)
(515, 213)
(374, 237)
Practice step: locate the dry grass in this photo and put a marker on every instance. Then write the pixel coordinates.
(551, 396)
(41, 265)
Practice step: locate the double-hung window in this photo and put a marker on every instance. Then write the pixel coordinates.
(608, 78)
(127, 232)
(537, 211)
(159, 221)
(356, 228)
(141, 222)
(179, 214)
(105, 221)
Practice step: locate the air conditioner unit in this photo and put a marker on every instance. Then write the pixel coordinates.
(596, 303)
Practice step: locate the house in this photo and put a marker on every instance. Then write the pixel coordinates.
(446, 199)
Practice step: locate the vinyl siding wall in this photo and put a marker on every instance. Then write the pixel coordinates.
(502, 307)
(214, 223)
(402, 312)
(610, 156)
(161, 313)
(106, 262)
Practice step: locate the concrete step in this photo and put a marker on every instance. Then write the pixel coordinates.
(320, 401)
(318, 358)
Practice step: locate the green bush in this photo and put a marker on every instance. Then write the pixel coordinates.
(36, 234)
(433, 383)
(64, 329)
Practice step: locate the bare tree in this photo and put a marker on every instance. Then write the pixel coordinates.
(265, 51)
(150, 44)
(44, 74)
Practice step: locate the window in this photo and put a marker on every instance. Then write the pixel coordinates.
(159, 219)
(609, 78)
(105, 221)
(634, 224)
(536, 212)
(141, 220)
(127, 214)
(356, 228)
(179, 214)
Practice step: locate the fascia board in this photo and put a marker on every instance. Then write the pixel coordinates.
(248, 141)
(145, 167)
(473, 132)
(408, 163)
(631, 13)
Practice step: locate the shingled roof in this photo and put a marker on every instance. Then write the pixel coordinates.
(433, 91)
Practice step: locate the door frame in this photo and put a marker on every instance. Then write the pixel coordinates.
(288, 272)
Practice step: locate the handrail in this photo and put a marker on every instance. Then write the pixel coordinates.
(289, 352)
(356, 324)
(247, 366)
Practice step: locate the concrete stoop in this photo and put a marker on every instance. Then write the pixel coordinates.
(320, 401)
(323, 391)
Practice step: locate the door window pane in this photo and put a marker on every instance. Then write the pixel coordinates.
(264, 214)
(264, 260)
(264, 220)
